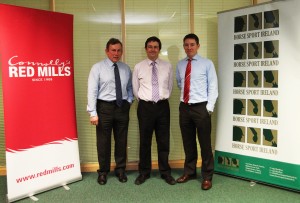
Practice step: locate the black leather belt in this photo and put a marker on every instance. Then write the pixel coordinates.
(194, 104)
(152, 102)
(110, 102)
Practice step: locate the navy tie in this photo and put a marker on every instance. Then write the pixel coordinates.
(119, 99)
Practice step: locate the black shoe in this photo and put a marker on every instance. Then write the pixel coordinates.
(141, 179)
(122, 177)
(102, 178)
(169, 179)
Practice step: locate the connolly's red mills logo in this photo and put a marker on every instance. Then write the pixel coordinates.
(37, 70)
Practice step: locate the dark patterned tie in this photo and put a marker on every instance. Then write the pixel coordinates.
(119, 99)
(187, 82)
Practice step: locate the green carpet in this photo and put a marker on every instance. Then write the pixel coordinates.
(155, 190)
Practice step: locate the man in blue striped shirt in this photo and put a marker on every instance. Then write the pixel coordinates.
(199, 92)
(106, 113)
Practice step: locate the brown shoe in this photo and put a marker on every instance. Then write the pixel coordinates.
(185, 177)
(206, 185)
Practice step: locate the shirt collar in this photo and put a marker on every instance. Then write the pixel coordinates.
(196, 58)
(110, 63)
(150, 62)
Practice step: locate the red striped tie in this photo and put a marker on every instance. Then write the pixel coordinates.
(187, 82)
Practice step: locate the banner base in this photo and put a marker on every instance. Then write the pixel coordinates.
(34, 198)
(253, 183)
(16, 198)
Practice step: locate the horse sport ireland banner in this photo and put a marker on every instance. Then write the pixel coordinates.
(258, 111)
(36, 50)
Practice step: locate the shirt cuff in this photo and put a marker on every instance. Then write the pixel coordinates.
(92, 114)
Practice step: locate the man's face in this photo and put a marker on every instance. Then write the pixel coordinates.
(190, 47)
(152, 50)
(114, 52)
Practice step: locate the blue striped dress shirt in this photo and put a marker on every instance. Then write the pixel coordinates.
(101, 84)
(204, 82)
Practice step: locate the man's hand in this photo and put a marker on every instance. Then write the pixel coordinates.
(94, 120)
(209, 113)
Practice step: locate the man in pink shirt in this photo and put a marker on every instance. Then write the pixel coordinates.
(152, 82)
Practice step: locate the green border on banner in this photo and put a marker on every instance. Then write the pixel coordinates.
(263, 170)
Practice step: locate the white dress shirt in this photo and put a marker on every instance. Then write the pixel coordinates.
(142, 79)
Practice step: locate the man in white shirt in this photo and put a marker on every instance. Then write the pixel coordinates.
(152, 83)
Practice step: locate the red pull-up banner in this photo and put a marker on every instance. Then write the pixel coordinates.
(36, 53)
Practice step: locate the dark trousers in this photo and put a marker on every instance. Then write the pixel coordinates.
(194, 119)
(154, 117)
(116, 119)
